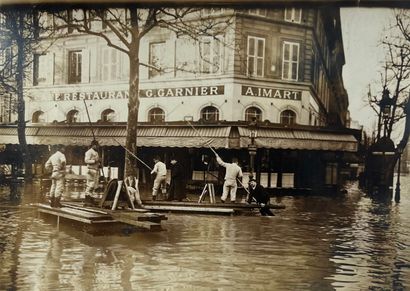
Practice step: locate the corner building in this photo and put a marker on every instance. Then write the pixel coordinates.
(279, 67)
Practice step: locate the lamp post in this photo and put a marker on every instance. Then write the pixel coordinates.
(253, 133)
(397, 192)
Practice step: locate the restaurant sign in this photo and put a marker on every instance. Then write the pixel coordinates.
(271, 93)
(162, 92)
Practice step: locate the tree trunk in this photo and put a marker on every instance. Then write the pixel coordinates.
(21, 125)
(131, 168)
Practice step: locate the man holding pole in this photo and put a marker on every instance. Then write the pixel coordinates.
(92, 159)
(160, 179)
(233, 172)
(56, 164)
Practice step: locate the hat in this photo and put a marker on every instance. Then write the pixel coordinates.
(94, 142)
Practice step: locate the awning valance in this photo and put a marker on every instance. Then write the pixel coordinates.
(288, 138)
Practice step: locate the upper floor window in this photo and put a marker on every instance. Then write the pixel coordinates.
(108, 115)
(38, 117)
(43, 69)
(210, 51)
(211, 11)
(288, 117)
(253, 114)
(210, 113)
(290, 61)
(157, 54)
(256, 56)
(6, 62)
(293, 15)
(78, 66)
(73, 116)
(156, 115)
(110, 64)
(260, 12)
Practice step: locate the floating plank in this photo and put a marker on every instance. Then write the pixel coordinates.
(153, 226)
(190, 209)
(210, 205)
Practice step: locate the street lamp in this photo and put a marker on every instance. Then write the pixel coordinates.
(253, 133)
(385, 105)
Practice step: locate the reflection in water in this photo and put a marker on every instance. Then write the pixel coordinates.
(317, 243)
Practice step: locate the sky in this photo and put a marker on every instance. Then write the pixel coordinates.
(362, 30)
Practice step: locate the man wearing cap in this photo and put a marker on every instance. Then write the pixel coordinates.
(257, 192)
(92, 159)
(177, 184)
(160, 179)
(56, 164)
(233, 172)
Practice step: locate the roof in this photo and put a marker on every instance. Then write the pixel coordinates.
(217, 136)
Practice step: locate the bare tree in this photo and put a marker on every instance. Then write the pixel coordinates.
(123, 28)
(395, 78)
(19, 37)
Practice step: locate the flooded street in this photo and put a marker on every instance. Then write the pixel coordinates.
(317, 243)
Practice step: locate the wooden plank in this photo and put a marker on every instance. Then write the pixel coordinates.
(143, 224)
(190, 209)
(75, 212)
(149, 203)
(153, 217)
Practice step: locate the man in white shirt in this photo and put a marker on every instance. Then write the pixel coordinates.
(160, 179)
(56, 164)
(92, 159)
(233, 171)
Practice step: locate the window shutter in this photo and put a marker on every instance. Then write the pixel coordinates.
(85, 66)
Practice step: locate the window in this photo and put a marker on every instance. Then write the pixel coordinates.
(43, 69)
(78, 66)
(260, 12)
(331, 174)
(253, 114)
(256, 56)
(290, 61)
(6, 62)
(210, 113)
(210, 53)
(73, 116)
(211, 11)
(38, 117)
(288, 117)
(108, 115)
(293, 15)
(110, 64)
(156, 115)
(74, 67)
(157, 54)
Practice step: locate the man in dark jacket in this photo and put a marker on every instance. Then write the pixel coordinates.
(177, 184)
(258, 193)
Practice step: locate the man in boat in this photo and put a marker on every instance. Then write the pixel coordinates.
(258, 194)
(160, 179)
(92, 159)
(56, 164)
(177, 185)
(233, 172)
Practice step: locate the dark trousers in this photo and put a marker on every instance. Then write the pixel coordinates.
(265, 211)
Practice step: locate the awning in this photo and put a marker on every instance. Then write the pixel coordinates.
(299, 139)
(156, 136)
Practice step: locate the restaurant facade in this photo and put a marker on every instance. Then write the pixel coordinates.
(275, 99)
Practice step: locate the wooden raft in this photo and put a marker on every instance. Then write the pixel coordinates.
(94, 216)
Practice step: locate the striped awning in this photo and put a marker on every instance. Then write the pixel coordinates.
(217, 137)
(296, 139)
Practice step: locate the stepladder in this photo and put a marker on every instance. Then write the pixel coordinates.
(208, 189)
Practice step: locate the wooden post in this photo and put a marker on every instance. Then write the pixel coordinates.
(117, 195)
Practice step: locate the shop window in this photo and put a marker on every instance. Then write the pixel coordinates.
(290, 61)
(210, 113)
(156, 115)
(73, 116)
(38, 117)
(253, 114)
(210, 52)
(260, 12)
(157, 54)
(288, 117)
(331, 174)
(293, 15)
(256, 56)
(108, 115)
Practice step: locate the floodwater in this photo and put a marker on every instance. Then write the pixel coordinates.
(347, 242)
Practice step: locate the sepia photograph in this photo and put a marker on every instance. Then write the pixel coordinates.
(212, 145)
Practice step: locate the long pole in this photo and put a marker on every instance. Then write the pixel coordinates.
(198, 133)
(132, 154)
(92, 131)
(397, 192)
